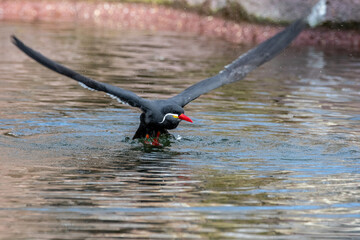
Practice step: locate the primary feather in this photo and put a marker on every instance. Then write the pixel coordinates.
(123, 95)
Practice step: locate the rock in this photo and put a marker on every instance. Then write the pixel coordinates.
(339, 11)
(276, 10)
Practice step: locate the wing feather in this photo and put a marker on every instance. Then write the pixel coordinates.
(264, 52)
(123, 95)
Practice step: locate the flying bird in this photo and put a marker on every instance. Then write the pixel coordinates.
(159, 116)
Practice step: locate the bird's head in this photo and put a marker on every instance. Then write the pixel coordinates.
(172, 116)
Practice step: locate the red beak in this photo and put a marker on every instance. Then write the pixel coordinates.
(184, 117)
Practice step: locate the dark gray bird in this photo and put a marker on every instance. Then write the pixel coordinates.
(158, 116)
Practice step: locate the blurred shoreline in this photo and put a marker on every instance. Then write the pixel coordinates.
(161, 18)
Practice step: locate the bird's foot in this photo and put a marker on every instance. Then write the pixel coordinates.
(153, 141)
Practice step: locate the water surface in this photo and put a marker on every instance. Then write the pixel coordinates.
(275, 156)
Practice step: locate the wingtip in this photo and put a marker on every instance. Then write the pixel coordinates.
(317, 14)
(14, 40)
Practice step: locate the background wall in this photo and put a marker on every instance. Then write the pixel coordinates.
(339, 11)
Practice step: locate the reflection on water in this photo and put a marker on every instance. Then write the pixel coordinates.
(274, 156)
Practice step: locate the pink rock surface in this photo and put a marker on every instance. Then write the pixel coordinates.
(338, 11)
(154, 17)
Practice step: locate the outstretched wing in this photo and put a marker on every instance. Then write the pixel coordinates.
(123, 95)
(264, 52)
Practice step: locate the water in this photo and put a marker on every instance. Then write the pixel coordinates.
(275, 156)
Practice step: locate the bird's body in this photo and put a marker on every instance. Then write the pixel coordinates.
(159, 116)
